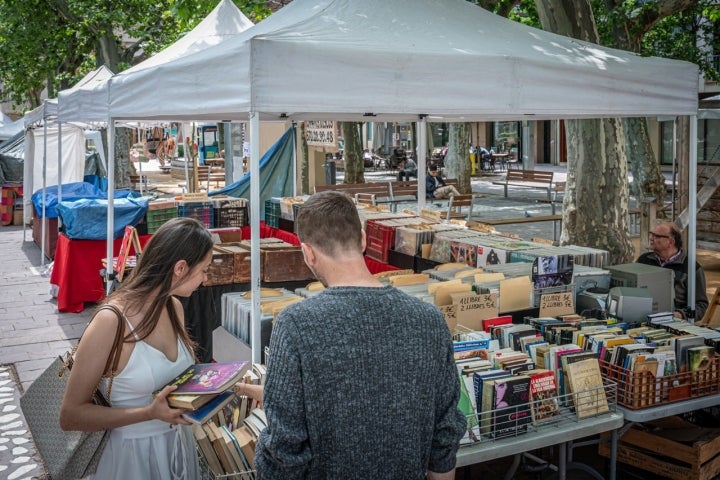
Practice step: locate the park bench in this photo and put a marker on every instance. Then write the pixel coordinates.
(375, 192)
(532, 179)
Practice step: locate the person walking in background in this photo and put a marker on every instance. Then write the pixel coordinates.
(361, 380)
(435, 186)
(667, 252)
(148, 438)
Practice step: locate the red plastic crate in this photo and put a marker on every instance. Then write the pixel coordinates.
(380, 238)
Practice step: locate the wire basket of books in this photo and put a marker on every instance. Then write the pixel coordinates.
(519, 404)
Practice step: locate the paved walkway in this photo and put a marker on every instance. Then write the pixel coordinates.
(32, 334)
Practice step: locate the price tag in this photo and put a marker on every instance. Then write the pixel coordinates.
(554, 304)
(473, 308)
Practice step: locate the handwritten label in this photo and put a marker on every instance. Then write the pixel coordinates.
(450, 313)
(554, 304)
(473, 308)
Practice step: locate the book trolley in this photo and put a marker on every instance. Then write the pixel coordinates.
(561, 430)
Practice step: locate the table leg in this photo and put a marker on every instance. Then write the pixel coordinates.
(562, 461)
(613, 453)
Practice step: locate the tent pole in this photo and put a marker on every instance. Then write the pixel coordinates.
(674, 171)
(44, 199)
(229, 157)
(59, 174)
(421, 160)
(692, 220)
(294, 159)
(255, 235)
(140, 167)
(109, 269)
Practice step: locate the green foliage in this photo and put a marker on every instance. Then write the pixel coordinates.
(53, 43)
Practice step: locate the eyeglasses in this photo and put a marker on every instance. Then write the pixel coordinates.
(656, 235)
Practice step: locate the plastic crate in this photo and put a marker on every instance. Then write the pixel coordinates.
(380, 238)
(202, 211)
(637, 390)
(155, 218)
(272, 212)
(231, 216)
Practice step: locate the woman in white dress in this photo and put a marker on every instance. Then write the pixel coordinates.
(148, 439)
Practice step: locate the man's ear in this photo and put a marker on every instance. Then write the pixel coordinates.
(363, 240)
(308, 253)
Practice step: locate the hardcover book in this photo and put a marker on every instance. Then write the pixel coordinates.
(210, 409)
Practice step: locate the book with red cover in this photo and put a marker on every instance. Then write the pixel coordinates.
(488, 323)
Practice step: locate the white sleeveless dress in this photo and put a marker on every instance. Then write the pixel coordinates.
(153, 449)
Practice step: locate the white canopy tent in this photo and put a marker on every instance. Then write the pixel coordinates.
(90, 103)
(379, 60)
(67, 150)
(8, 128)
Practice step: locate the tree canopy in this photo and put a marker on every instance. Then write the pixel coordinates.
(53, 43)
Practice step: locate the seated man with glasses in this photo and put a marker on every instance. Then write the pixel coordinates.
(667, 252)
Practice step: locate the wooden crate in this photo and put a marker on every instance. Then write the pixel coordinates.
(696, 459)
(241, 260)
(221, 270)
(283, 264)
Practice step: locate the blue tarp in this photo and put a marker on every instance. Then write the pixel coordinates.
(87, 218)
(276, 173)
(72, 192)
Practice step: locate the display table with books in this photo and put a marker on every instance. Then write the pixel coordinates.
(564, 428)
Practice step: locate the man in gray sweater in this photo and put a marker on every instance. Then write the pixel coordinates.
(361, 379)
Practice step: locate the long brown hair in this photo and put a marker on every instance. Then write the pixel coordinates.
(178, 239)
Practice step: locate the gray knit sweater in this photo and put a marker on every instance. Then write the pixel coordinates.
(361, 384)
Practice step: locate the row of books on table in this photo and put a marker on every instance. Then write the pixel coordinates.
(661, 360)
(505, 393)
(226, 425)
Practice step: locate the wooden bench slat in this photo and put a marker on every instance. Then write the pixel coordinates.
(532, 179)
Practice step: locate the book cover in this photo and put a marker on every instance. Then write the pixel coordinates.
(466, 406)
(208, 378)
(682, 344)
(586, 384)
(698, 358)
(488, 323)
(210, 409)
(511, 408)
(544, 404)
(643, 381)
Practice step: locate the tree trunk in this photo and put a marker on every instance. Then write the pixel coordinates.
(354, 167)
(457, 160)
(123, 166)
(595, 208)
(107, 51)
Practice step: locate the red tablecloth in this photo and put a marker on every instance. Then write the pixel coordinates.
(78, 263)
(76, 271)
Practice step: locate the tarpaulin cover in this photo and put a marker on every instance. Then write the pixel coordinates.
(71, 192)
(86, 219)
(276, 173)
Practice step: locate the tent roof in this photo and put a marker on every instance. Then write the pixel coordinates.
(379, 59)
(225, 21)
(49, 107)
